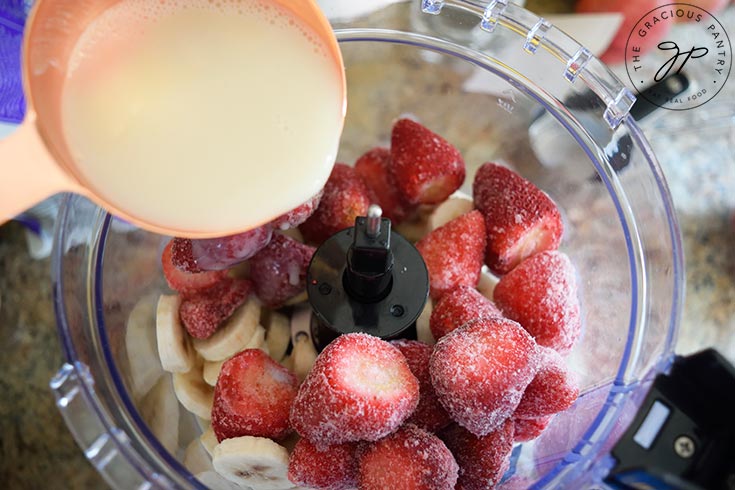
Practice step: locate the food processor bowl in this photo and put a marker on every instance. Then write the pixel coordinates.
(478, 74)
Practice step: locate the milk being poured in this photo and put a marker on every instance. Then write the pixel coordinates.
(202, 115)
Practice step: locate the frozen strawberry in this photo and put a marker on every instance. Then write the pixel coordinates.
(457, 307)
(453, 253)
(185, 282)
(360, 388)
(480, 371)
(279, 270)
(374, 168)
(252, 397)
(345, 198)
(429, 413)
(553, 390)
(332, 468)
(520, 218)
(529, 429)
(541, 295)
(182, 256)
(204, 312)
(221, 253)
(299, 214)
(482, 460)
(411, 458)
(427, 168)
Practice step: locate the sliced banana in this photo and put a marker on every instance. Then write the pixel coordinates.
(255, 462)
(454, 207)
(140, 342)
(423, 332)
(294, 233)
(278, 335)
(416, 228)
(203, 424)
(287, 362)
(299, 298)
(257, 341)
(208, 440)
(193, 393)
(213, 481)
(211, 369)
(301, 322)
(240, 271)
(304, 354)
(174, 348)
(487, 283)
(233, 336)
(196, 458)
(160, 410)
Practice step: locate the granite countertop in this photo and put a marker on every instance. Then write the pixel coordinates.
(37, 451)
(36, 448)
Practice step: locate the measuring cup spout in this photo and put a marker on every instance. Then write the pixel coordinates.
(29, 172)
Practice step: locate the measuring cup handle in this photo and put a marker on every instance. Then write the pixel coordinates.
(28, 172)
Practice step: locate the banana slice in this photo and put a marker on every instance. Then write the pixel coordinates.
(423, 332)
(301, 322)
(416, 228)
(454, 207)
(240, 271)
(140, 342)
(254, 462)
(304, 354)
(257, 341)
(208, 440)
(193, 393)
(196, 458)
(233, 336)
(487, 283)
(278, 335)
(174, 348)
(160, 410)
(287, 362)
(299, 298)
(203, 424)
(214, 481)
(294, 233)
(212, 368)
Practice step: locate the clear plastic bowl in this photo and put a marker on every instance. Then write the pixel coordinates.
(477, 74)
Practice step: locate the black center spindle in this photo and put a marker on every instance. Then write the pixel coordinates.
(366, 279)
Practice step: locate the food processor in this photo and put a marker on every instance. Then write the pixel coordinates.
(476, 72)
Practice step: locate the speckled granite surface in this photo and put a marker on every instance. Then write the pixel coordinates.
(37, 451)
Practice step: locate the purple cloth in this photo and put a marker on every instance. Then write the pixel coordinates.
(12, 102)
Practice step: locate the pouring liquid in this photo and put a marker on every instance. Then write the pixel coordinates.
(202, 115)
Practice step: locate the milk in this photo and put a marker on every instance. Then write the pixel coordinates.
(202, 115)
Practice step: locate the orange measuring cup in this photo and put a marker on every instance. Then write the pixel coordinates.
(36, 160)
